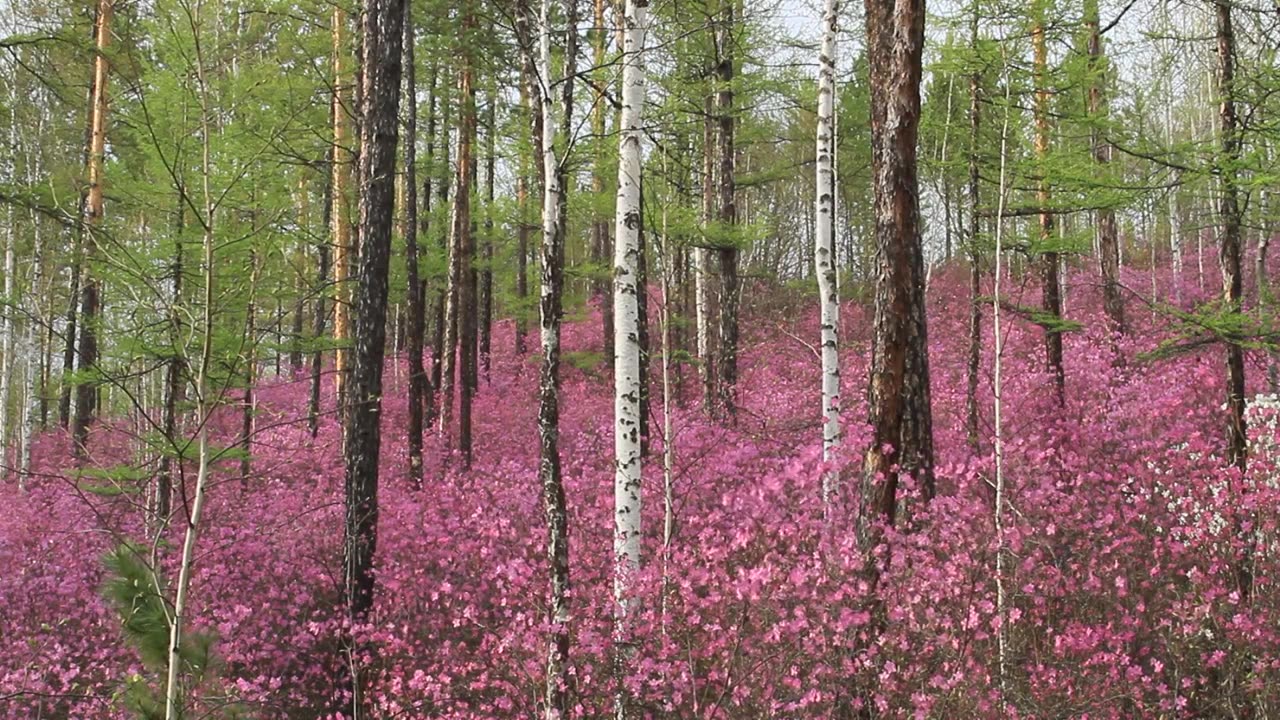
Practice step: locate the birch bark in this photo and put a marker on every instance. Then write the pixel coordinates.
(824, 250)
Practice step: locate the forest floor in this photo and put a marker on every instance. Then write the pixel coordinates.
(1119, 594)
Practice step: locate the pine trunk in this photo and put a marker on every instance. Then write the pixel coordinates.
(87, 357)
(900, 412)
(379, 131)
(409, 231)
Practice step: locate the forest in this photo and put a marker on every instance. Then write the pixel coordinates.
(639, 359)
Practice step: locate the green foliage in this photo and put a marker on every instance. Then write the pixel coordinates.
(139, 596)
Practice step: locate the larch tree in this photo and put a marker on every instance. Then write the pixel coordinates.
(1104, 218)
(459, 350)
(1051, 285)
(340, 214)
(409, 231)
(383, 32)
(628, 456)
(825, 248)
(87, 355)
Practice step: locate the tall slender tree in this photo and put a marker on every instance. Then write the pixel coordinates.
(1229, 251)
(627, 288)
(460, 319)
(87, 357)
(825, 249)
(552, 122)
(1051, 284)
(973, 249)
(340, 215)
(1105, 218)
(383, 33)
(727, 358)
(409, 231)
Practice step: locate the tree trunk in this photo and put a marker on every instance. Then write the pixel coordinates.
(36, 318)
(522, 232)
(409, 230)
(460, 329)
(383, 36)
(824, 247)
(729, 290)
(1229, 216)
(974, 252)
(1051, 286)
(173, 380)
(340, 217)
(899, 407)
(486, 270)
(552, 174)
(204, 400)
(298, 319)
(321, 312)
(87, 360)
(628, 380)
(9, 165)
(702, 258)
(440, 310)
(1108, 255)
(600, 240)
(248, 407)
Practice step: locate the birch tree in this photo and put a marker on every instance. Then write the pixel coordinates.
(1228, 163)
(551, 133)
(8, 171)
(626, 338)
(824, 249)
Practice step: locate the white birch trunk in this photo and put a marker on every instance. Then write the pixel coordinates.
(550, 165)
(824, 244)
(997, 389)
(626, 329)
(35, 317)
(557, 679)
(6, 312)
(31, 346)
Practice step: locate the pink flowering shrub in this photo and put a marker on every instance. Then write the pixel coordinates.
(1138, 571)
